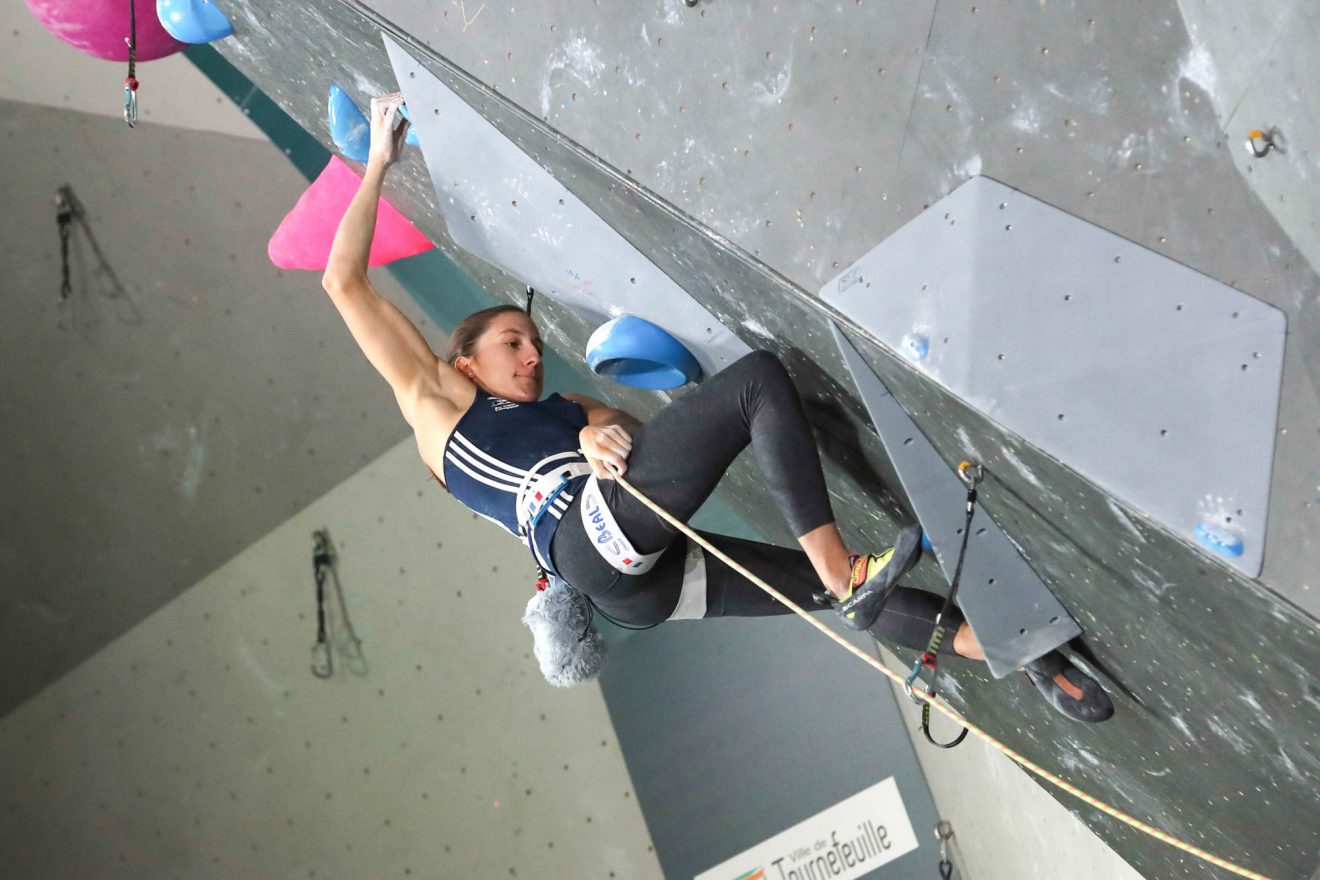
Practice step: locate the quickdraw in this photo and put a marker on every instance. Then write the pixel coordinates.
(64, 212)
(944, 831)
(970, 474)
(130, 82)
(323, 665)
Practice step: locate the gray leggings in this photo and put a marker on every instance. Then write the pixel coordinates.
(677, 459)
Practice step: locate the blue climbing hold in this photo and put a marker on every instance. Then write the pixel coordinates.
(193, 21)
(349, 128)
(633, 351)
(916, 346)
(412, 129)
(1218, 539)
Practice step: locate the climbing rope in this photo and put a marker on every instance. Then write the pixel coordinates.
(939, 704)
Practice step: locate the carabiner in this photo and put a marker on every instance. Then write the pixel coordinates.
(928, 690)
(322, 664)
(130, 101)
(970, 481)
(1256, 138)
(943, 831)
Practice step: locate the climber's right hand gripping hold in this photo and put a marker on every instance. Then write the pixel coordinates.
(389, 128)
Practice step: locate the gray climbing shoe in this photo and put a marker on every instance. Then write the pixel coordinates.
(874, 578)
(1082, 700)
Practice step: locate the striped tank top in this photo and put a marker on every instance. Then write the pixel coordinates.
(494, 447)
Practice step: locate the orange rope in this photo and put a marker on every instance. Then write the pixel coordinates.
(939, 704)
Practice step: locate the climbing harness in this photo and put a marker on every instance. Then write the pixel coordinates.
(538, 491)
(323, 665)
(130, 82)
(1259, 143)
(944, 708)
(944, 831)
(970, 474)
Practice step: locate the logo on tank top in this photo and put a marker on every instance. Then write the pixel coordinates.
(499, 404)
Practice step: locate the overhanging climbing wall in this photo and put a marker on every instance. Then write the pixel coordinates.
(1214, 675)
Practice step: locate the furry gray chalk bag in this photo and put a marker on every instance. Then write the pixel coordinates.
(565, 641)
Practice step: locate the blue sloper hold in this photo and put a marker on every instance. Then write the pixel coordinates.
(351, 130)
(193, 21)
(633, 351)
(412, 138)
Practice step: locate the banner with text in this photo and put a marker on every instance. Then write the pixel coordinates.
(845, 841)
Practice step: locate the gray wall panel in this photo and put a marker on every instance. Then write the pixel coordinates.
(737, 729)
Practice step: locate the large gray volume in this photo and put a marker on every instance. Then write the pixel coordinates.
(1157, 383)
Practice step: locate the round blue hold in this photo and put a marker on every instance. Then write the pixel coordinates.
(1218, 539)
(193, 21)
(633, 351)
(916, 346)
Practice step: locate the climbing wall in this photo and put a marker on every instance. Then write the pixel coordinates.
(767, 189)
(753, 154)
(202, 744)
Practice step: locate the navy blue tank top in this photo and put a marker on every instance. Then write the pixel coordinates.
(497, 443)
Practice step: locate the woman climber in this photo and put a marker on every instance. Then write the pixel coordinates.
(544, 469)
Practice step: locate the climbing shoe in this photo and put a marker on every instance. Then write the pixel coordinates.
(874, 578)
(1079, 696)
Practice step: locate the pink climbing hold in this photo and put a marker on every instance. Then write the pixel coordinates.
(100, 27)
(304, 236)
